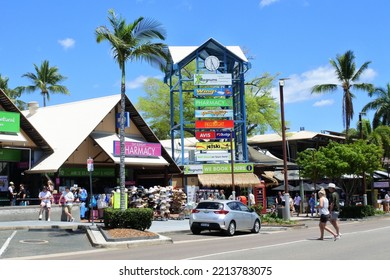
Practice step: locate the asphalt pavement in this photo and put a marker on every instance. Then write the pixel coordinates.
(97, 239)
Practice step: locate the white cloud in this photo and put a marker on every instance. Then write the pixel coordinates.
(137, 82)
(67, 43)
(298, 86)
(324, 102)
(264, 3)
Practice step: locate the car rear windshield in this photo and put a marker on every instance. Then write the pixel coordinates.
(210, 205)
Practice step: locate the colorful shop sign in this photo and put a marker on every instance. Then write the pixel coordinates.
(214, 124)
(205, 134)
(214, 134)
(9, 122)
(138, 149)
(214, 102)
(227, 168)
(10, 155)
(83, 172)
(213, 113)
(222, 168)
(213, 79)
(213, 92)
(220, 156)
(203, 146)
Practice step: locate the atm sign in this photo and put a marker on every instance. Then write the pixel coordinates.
(205, 134)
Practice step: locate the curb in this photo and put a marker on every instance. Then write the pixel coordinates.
(97, 240)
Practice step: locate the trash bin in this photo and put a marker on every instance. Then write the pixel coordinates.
(280, 212)
(385, 206)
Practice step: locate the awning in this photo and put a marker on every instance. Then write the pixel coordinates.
(12, 138)
(242, 180)
(105, 141)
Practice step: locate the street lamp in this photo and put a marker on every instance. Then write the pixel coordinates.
(286, 215)
(364, 173)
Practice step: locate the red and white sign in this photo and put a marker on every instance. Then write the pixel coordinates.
(214, 124)
(205, 134)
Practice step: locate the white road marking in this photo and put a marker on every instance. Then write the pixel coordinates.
(6, 243)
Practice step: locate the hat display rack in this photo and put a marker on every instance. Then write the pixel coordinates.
(166, 202)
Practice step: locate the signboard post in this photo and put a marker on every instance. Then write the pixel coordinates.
(90, 170)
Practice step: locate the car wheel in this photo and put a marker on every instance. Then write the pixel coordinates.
(231, 229)
(195, 231)
(256, 227)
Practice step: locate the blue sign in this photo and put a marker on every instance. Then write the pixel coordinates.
(127, 119)
(224, 134)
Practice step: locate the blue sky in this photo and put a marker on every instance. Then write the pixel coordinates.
(292, 38)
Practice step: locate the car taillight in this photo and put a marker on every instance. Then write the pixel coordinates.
(221, 212)
(195, 211)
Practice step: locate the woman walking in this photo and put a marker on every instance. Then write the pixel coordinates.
(323, 209)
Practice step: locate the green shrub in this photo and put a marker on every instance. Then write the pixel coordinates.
(258, 208)
(135, 218)
(357, 212)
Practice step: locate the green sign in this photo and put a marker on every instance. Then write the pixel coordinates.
(10, 155)
(83, 172)
(222, 168)
(214, 102)
(9, 122)
(227, 168)
(117, 201)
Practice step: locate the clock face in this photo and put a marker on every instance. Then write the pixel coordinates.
(211, 63)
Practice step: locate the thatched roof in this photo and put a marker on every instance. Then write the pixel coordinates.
(242, 180)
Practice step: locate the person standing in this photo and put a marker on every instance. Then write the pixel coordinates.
(11, 194)
(312, 203)
(252, 201)
(323, 209)
(46, 198)
(222, 195)
(67, 198)
(279, 199)
(334, 207)
(22, 195)
(297, 203)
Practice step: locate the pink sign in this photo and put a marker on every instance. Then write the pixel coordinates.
(138, 149)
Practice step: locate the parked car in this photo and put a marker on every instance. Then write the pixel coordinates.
(228, 216)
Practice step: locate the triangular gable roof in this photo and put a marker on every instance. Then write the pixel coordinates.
(78, 120)
(25, 125)
(300, 135)
(179, 54)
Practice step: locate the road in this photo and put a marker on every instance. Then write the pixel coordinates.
(361, 240)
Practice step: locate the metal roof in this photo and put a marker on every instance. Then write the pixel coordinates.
(66, 126)
(25, 125)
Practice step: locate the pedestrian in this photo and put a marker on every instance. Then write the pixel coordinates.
(50, 186)
(22, 195)
(11, 194)
(334, 207)
(312, 203)
(251, 199)
(279, 199)
(387, 202)
(46, 198)
(67, 198)
(297, 203)
(323, 209)
(221, 195)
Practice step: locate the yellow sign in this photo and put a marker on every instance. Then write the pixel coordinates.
(117, 200)
(213, 146)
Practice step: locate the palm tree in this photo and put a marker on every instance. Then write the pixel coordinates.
(46, 79)
(347, 75)
(13, 94)
(381, 104)
(131, 42)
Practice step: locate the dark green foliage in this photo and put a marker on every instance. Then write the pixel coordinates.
(357, 212)
(135, 218)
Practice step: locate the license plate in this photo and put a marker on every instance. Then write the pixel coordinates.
(204, 225)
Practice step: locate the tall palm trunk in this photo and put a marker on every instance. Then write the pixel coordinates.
(122, 140)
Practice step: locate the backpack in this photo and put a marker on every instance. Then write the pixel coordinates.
(83, 195)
